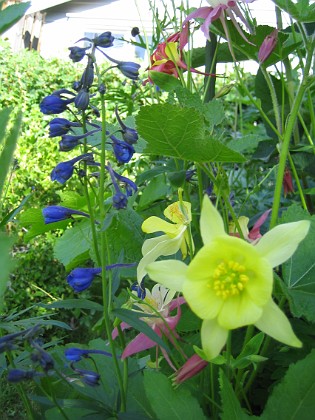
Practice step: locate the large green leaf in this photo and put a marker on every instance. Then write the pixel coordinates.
(74, 242)
(294, 397)
(12, 14)
(164, 81)
(299, 271)
(170, 403)
(172, 130)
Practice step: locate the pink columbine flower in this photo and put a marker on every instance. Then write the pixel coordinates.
(161, 300)
(190, 368)
(268, 46)
(218, 9)
(254, 234)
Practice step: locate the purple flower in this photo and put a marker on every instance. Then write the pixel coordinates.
(56, 103)
(77, 53)
(130, 135)
(122, 150)
(54, 214)
(64, 170)
(74, 354)
(60, 126)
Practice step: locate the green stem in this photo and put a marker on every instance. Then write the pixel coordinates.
(288, 133)
(298, 184)
(274, 98)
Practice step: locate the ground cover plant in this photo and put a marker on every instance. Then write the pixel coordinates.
(182, 210)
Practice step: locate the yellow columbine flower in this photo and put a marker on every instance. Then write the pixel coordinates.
(175, 238)
(229, 282)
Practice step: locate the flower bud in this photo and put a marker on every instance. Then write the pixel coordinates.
(104, 40)
(77, 53)
(268, 46)
(82, 100)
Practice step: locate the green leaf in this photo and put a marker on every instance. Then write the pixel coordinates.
(301, 11)
(74, 242)
(164, 81)
(5, 264)
(133, 318)
(169, 403)
(299, 271)
(12, 14)
(171, 130)
(248, 143)
(8, 150)
(156, 190)
(294, 397)
(4, 119)
(73, 304)
(230, 404)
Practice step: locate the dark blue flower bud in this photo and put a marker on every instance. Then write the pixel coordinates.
(104, 40)
(120, 201)
(139, 289)
(42, 357)
(61, 126)
(82, 100)
(81, 278)
(122, 150)
(130, 135)
(7, 342)
(74, 354)
(135, 31)
(53, 104)
(69, 142)
(17, 375)
(76, 86)
(77, 53)
(128, 68)
(130, 186)
(64, 170)
(87, 78)
(102, 89)
(54, 214)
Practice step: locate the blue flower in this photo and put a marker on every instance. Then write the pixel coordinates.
(88, 376)
(122, 150)
(54, 214)
(77, 53)
(56, 103)
(130, 135)
(87, 78)
(7, 342)
(81, 278)
(139, 289)
(105, 40)
(17, 375)
(74, 354)
(69, 142)
(127, 68)
(61, 126)
(64, 170)
(82, 100)
(120, 200)
(130, 186)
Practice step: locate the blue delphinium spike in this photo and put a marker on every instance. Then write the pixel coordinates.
(56, 103)
(77, 53)
(18, 375)
(105, 40)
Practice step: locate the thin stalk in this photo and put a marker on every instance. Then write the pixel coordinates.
(274, 98)
(298, 184)
(288, 133)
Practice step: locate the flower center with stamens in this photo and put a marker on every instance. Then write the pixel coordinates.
(229, 279)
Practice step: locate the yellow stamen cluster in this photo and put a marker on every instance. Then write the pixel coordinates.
(229, 279)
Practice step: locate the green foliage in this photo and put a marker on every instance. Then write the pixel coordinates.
(11, 14)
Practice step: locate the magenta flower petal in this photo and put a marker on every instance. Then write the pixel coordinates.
(139, 343)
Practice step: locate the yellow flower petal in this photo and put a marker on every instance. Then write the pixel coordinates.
(202, 300)
(170, 273)
(274, 323)
(155, 224)
(213, 338)
(171, 52)
(279, 244)
(211, 223)
(238, 311)
(179, 212)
